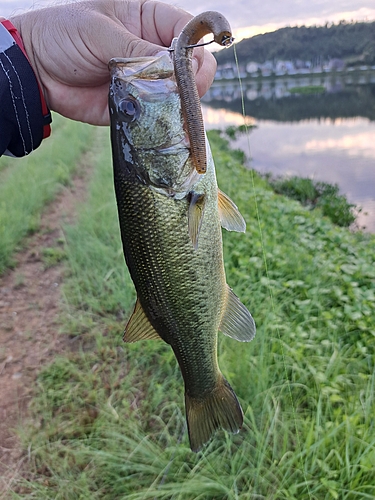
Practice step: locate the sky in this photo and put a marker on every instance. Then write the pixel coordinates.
(250, 17)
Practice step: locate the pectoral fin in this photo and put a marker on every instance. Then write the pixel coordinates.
(196, 210)
(230, 217)
(237, 322)
(139, 327)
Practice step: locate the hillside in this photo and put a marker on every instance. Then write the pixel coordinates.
(352, 42)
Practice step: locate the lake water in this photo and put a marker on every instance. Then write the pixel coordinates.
(329, 137)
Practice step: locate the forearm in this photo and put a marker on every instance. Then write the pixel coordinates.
(24, 121)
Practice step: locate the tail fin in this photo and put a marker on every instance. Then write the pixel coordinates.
(220, 408)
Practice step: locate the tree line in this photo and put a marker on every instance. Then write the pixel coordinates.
(352, 42)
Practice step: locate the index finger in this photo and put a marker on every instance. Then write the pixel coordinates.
(161, 22)
(168, 22)
(158, 23)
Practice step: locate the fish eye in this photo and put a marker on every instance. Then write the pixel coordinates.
(129, 108)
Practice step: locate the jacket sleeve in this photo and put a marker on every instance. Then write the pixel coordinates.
(23, 121)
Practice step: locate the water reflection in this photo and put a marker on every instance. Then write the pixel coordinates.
(343, 96)
(336, 147)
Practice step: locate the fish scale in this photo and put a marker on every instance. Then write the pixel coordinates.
(171, 279)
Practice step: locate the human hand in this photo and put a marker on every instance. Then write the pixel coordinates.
(69, 47)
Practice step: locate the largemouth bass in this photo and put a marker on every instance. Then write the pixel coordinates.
(170, 219)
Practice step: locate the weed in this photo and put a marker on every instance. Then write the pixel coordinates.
(52, 256)
(19, 280)
(317, 195)
(232, 131)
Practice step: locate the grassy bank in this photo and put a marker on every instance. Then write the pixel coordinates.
(109, 418)
(28, 184)
(314, 194)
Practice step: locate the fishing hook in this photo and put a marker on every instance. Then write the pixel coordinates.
(230, 41)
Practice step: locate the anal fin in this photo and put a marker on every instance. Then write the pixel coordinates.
(230, 217)
(237, 321)
(139, 327)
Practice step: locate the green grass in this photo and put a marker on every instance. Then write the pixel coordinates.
(308, 89)
(28, 184)
(317, 195)
(5, 162)
(109, 417)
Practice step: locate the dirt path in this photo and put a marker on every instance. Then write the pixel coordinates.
(29, 322)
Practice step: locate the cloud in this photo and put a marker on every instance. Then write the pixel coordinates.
(360, 143)
(257, 16)
(242, 13)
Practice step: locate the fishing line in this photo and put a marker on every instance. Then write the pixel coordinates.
(270, 293)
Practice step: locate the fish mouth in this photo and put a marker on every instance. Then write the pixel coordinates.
(148, 68)
(118, 63)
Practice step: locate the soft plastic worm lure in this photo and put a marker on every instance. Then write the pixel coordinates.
(201, 25)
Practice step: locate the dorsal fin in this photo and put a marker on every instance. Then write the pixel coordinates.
(236, 321)
(230, 217)
(139, 326)
(195, 217)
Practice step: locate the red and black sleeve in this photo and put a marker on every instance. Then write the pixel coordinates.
(24, 116)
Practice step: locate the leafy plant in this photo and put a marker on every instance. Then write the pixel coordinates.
(232, 131)
(317, 194)
(53, 255)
